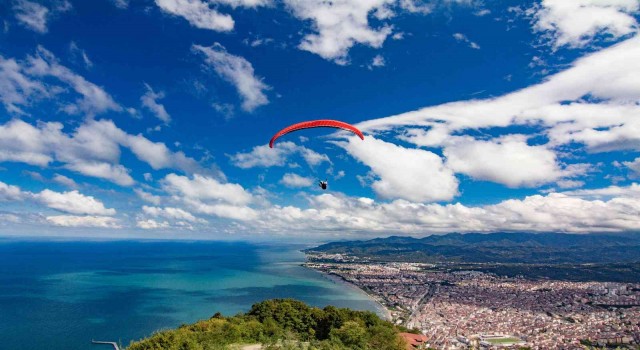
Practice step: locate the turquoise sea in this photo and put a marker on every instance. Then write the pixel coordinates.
(61, 295)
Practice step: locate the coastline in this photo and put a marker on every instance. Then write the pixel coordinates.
(383, 311)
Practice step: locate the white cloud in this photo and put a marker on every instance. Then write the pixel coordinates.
(377, 61)
(592, 104)
(115, 173)
(204, 13)
(508, 160)
(555, 212)
(198, 13)
(16, 88)
(78, 54)
(634, 165)
(169, 213)
(570, 183)
(93, 149)
(263, 156)
(22, 82)
(10, 193)
(611, 75)
(84, 221)
(94, 99)
(412, 174)
(237, 71)
(63, 180)
(31, 15)
(150, 101)
(151, 224)
(416, 6)
(205, 188)
(73, 202)
(341, 24)
(208, 196)
(463, 39)
(226, 109)
(398, 36)
(148, 197)
(576, 23)
(228, 211)
(632, 191)
(296, 181)
(121, 4)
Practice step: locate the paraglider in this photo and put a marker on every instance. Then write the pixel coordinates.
(322, 123)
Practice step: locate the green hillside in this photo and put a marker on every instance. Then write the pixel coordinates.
(282, 324)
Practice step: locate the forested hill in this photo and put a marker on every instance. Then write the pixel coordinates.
(282, 324)
(543, 248)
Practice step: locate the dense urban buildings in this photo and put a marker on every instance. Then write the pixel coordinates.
(464, 309)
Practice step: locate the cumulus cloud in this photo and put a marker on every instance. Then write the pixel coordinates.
(576, 23)
(228, 211)
(65, 181)
(169, 213)
(237, 71)
(10, 192)
(204, 14)
(209, 196)
(84, 221)
(592, 104)
(31, 15)
(413, 174)
(508, 160)
(376, 62)
(17, 88)
(93, 149)
(206, 189)
(634, 165)
(79, 55)
(198, 13)
(296, 181)
(150, 101)
(23, 82)
(121, 4)
(632, 191)
(150, 224)
(555, 212)
(93, 98)
(115, 173)
(339, 25)
(263, 156)
(73, 202)
(148, 197)
(463, 39)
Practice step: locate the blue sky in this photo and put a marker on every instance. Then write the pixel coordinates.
(151, 118)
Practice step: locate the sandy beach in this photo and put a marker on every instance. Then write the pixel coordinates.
(382, 310)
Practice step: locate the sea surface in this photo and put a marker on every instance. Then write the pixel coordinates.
(61, 295)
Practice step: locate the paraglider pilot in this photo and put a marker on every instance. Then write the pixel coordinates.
(323, 184)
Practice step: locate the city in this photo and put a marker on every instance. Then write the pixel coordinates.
(464, 309)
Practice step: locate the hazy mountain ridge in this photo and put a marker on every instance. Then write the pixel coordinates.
(542, 248)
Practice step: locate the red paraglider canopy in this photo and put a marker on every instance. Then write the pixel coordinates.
(322, 123)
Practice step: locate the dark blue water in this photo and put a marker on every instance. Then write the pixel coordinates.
(60, 295)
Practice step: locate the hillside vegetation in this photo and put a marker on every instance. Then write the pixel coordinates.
(282, 324)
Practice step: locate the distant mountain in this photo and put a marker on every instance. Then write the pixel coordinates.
(514, 248)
